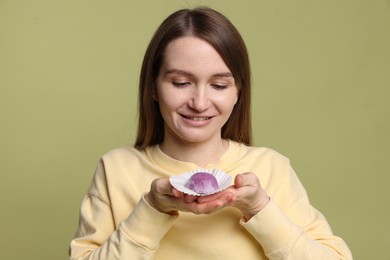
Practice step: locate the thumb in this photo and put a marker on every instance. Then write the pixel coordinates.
(239, 180)
(244, 179)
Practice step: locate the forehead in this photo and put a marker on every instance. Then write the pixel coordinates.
(193, 54)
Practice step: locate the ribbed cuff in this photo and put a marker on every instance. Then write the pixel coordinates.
(272, 228)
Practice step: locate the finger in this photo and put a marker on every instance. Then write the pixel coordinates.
(238, 180)
(205, 208)
(226, 197)
(176, 193)
(164, 187)
(190, 198)
(207, 198)
(245, 179)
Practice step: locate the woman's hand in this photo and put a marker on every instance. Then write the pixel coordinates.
(247, 195)
(165, 198)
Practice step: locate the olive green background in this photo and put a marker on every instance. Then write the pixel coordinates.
(68, 83)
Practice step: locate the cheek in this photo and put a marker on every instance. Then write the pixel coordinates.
(236, 95)
(167, 102)
(227, 103)
(229, 99)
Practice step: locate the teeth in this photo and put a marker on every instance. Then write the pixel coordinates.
(198, 118)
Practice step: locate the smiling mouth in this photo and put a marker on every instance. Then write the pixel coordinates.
(197, 118)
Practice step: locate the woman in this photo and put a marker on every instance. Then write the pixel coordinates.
(194, 112)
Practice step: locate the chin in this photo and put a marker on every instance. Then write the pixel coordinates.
(193, 139)
(194, 136)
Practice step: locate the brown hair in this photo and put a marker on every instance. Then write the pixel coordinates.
(213, 27)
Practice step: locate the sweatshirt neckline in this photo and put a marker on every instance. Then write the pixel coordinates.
(175, 166)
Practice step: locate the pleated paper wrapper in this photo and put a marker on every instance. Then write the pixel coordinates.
(178, 181)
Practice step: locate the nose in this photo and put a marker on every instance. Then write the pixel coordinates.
(199, 100)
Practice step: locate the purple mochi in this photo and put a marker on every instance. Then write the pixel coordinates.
(202, 183)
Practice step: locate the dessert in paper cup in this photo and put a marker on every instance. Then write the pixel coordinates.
(201, 182)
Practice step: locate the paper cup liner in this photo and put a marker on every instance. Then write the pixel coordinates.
(179, 181)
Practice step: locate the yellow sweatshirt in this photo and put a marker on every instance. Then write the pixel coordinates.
(117, 223)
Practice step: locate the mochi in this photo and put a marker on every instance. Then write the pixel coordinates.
(202, 183)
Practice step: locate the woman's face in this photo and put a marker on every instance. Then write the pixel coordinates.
(195, 90)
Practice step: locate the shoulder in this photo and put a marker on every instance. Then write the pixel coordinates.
(114, 168)
(119, 159)
(274, 171)
(262, 153)
(265, 162)
(123, 153)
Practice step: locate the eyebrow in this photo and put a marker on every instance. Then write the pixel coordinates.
(186, 73)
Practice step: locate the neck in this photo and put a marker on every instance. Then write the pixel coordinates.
(201, 154)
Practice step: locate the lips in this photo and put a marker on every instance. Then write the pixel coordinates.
(196, 118)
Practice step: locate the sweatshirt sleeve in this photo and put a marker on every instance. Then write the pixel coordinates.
(283, 239)
(136, 237)
(296, 231)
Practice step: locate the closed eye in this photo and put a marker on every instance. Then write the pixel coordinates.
(180, 84)
(219, 86)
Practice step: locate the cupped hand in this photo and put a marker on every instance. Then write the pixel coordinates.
(246, 194)
(165, 198)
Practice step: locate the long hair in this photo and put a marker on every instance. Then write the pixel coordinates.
(214, 28)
